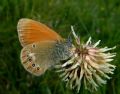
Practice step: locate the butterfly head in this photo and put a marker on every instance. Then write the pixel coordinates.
(69, 42)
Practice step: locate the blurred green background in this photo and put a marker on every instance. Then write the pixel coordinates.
(99, 19)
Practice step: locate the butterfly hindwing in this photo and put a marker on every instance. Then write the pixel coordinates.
(37, 57)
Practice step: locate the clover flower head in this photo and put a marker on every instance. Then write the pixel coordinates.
(89, 64)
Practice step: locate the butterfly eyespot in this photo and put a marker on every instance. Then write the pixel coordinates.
(33, 45)
(30, 59)
(27, 55)
(33, 65)
(38, 68)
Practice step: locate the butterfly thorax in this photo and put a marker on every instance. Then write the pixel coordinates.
(61, 51)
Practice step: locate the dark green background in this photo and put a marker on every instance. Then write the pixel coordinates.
(99, 19)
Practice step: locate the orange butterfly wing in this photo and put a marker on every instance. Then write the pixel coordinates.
(30, 31)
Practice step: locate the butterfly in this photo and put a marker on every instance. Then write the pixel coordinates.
(42, 46)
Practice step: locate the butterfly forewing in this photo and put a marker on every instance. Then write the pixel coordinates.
(31, 31)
